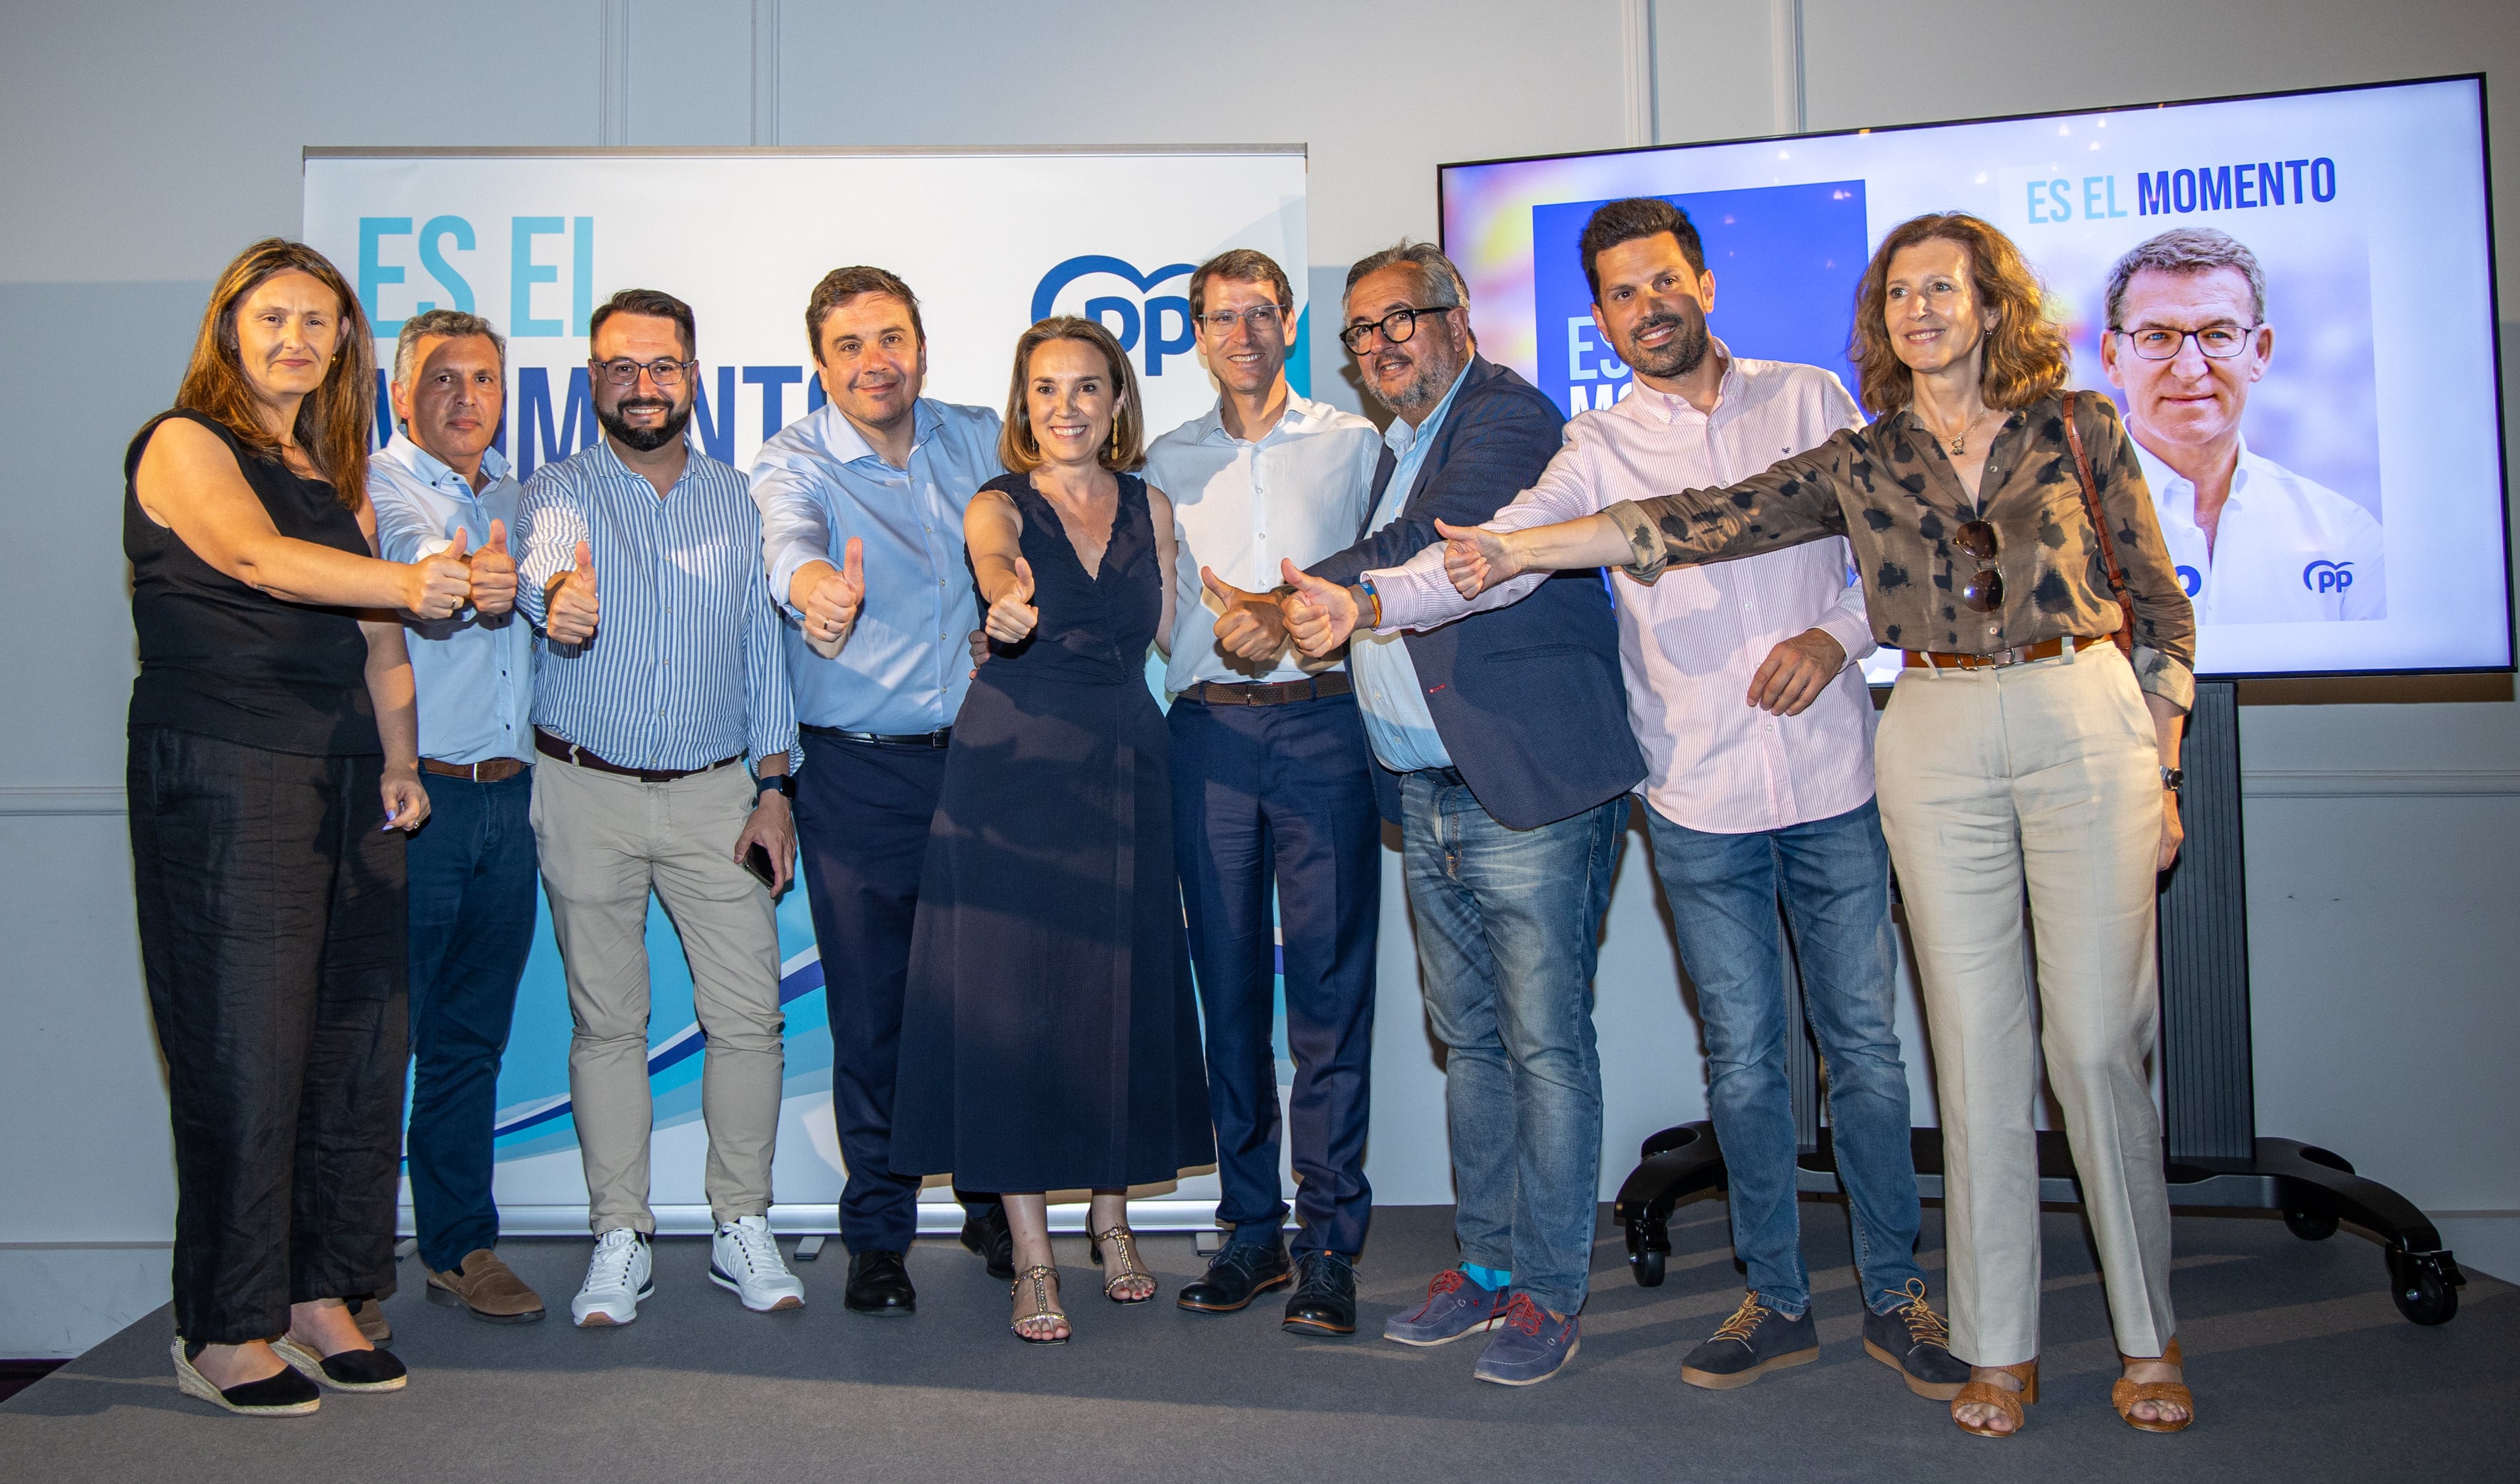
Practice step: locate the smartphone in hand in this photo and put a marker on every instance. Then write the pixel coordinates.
(757, 861)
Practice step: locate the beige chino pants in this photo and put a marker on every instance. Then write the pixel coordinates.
(2041, 777)
(606, 841)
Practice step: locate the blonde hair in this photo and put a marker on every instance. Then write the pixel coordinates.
(1019, 450)
(2026, 357)
(337, 419)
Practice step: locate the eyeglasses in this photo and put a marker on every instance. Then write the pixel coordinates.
(666, 373)
(1396, 328)
(2157, 342)
(1984, 592)
(1260, 317)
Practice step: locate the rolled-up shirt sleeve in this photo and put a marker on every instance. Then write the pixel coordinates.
(2165, 621)
(550, 525)
(796, 529)
(1793, 501)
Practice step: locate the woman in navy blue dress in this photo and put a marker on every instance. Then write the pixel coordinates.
(1050, 1038)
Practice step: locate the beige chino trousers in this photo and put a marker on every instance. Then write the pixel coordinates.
(606, 841)
(2041, 777)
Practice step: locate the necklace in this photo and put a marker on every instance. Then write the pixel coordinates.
(1958, 441)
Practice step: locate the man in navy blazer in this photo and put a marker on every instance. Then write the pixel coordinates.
(1505, 761)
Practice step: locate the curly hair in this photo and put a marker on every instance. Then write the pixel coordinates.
(1021, 451)
(2026, 356)
(333, 422)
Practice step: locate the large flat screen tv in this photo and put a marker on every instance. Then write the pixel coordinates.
(2363, 530)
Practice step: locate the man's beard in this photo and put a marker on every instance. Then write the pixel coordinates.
(1684, 353)
(645, 439)
(1425, 388)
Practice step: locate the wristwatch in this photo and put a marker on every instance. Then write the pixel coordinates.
(783, 783)
(2171, 777)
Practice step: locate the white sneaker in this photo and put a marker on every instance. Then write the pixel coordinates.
(617, 1277)
(743, 1260)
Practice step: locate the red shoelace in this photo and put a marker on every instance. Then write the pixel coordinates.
(1524, 1315)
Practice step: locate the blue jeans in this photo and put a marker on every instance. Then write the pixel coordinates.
(1283, 796)
(1835, 877)
(1508, 925)
(472, 881)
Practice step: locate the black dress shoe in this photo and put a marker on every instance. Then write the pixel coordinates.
(985, 1232)
(1237, 1276)
(879, 1283)
(1324, 1297)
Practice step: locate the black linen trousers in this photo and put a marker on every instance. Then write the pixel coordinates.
(272, 938)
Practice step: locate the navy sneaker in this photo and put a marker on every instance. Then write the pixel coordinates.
(1531, 1347)
(1913, 1340)
(1454, 1306)
(1754, 1341)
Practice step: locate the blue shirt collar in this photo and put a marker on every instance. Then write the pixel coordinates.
(848, 445)
(436, 471)
(1401, 438)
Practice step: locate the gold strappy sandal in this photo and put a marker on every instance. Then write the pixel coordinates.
(2126, 1393)
(1043, 1310)
(2009, 1403)
(1124, 1247)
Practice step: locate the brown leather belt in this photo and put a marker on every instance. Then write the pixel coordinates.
(1270, 692)
(571, 752)
(495, 770)
(2045, 648)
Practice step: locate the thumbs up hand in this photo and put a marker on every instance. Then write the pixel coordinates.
(434, 587)
(494, 574)
(1248, 625)
(831, 605)
(572, 611)
(1012, 617)
(1319, 615)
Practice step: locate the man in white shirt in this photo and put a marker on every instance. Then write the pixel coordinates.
(2255, 543)
(1745, 694)
(1273, 784)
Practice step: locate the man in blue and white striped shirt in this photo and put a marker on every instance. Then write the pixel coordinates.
(655, 686)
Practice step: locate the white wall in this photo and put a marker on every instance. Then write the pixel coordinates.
(149, 139)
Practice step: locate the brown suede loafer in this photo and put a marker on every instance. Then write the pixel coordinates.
(488, 1287)
(370, 1317)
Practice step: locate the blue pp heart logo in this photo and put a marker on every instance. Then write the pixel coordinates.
(1161, 320)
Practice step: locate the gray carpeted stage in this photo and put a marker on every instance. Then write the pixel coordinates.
(2304, 1372)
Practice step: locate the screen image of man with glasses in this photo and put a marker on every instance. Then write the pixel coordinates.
(2254, 542)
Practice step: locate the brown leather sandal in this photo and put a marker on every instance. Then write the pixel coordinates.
(1989, 1394)
(2126, 1393)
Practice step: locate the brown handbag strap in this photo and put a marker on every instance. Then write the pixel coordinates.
(2092, 503)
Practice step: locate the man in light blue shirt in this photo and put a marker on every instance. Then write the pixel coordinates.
(439, 485)
(862, 540)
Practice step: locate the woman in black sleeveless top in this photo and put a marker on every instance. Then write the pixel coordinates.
(273, 777)
(1049, 1037)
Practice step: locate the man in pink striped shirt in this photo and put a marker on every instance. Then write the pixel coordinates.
(1744, 691)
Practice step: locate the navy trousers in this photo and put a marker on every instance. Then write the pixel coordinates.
(1283, 794)
(472, 916)
(862, 815)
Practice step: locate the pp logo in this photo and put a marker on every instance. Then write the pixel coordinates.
(2192, 581)
(2325, 576)
(1117, 297)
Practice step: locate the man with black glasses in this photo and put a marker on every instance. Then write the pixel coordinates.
(2253, 541)
(656, 685)
(1273, 787)
(1506, 759)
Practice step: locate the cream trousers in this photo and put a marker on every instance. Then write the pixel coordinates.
(2040, 777)
(606, 841)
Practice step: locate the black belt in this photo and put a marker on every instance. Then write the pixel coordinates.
(1270, 692)
(940, 738)
(571, 752)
